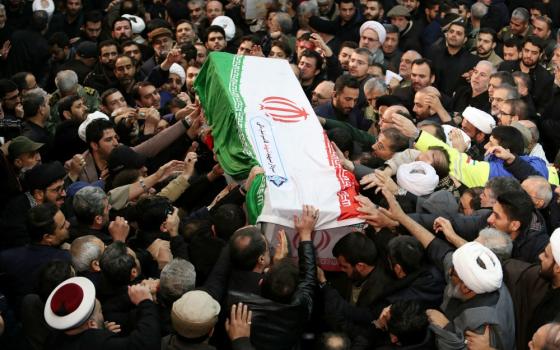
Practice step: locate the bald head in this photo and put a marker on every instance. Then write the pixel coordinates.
(323, 93)
(386, 120)
(546, 337)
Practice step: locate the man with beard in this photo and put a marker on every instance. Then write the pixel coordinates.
(215, 38)
(410, 30)
(391, 51)
(70, 21)
(343, 103)
(541, 79)
(91, 207)
(518, 28)
(161, 40)
(328, 9)
(451, 60)
(323, 93)
(11, 100)
(184, 32)
(485, 45)
(405, 66)
(345, 26)
(372, 37)
(67, 143)
(121, 30)
(476, 94)
(475, 299)
(102, 76)
(310, 65)
(373, 10)
(190, 77)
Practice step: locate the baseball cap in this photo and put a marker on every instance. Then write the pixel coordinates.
(21, 145)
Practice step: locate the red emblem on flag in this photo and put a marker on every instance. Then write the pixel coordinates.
(283, 110)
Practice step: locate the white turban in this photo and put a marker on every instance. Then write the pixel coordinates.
(45, 5)
(480, 119)
(228, 25)
(478, 267)
(419, 178)
(136, 23)
(177, 69)
(555, 245)
(91, 117)
(376, 27)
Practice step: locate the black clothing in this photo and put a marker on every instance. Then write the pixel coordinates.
(39, 134)
(409, 38)
(463, 98)
(81, 69)
(66, 141)
(29, 53)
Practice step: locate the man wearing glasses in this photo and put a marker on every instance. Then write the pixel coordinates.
(502, 93)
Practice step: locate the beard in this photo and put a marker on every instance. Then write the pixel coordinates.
(453, 291)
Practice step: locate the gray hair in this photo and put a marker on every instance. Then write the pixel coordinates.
(544, 190)
(176, 278)
(502, 184)
(497, 241)
(552, 340)
(521, 13)
(66, 81)
(88, 203)
(479, 10)
(308, 7)
(512, 92)
(84, 250)
(374, 84)
(489, 64)
(284, 21)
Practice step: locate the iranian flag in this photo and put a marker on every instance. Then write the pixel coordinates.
(260, 116)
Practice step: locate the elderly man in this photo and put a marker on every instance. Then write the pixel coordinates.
(475, 301)
(86, 252)
(372, 37)
(405, 66)
(502, 93)
(518, 28)
(322, 93)
(476, 94)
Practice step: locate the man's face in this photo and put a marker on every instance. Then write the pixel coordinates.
(432, 13)
(245, 48)
(405, 64)
(79, 110)
(412, 5)
(455, 36)
(484, 44)
(277, 52)
(500, 95)
(505, 114)
(213, 10)
(115, 101)
(499, 220)
(149, 97)
(174, 84)
(493, 85)
(547, 263)
(11, 100)
(184, 33)
(201, 53)
(61, 233)
(358, 66)
(517, 26)
(372, 11)
(108, 142)
(369, 40)
(73, 7)
(347, 11)
(464, 12)
(372, 96)
(92, 30)
(421, 108)
(324, 7)
(344, 57)
(307, 68)
(346, 100)
(400, 22)
(55, 193)
(58, 54)
(556, 57)
(468, 128)
(192, 73)
(133, 51)
(541, 29)
(511, 53)
(108, 55)
(216, 41)
(420, 76)
(3, 18)
(480, 77)
(487, 198)
(26, 161)
(348, 269)
(466, 200)
(321, 95)
(382, 148)
(530, 55)
(122, 31)
(195, 12)
(391, 43)
(124, 70)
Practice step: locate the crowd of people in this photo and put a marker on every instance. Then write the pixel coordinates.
(119, 228)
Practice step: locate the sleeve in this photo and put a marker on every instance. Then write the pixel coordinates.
(215, 285)
(157, 76)
(179, 247)
(439, 252)
(242, 344)
(470, 172)
(358, 135)
(405, 157)
(118, 197)
(175, 188)
(448, 340)
(520, 169)
(361, 170)
(307, 273)
(161, 140)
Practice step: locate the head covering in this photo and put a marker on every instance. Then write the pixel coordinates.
(87, 49)
(91, 117)
(440, 203)
(398, 11)
(21, 145)
(75, 187)
(43, 175)
(480, 119)
(526, 133)
(226, 23)
(177, 69)
(478, 267)
(194, 314)
(136, 22)
(555, 245)
(123, 157)
(377, 27)
(447, 130)
(45, 5)
(159, 32)
(70, 304)
(419, 178)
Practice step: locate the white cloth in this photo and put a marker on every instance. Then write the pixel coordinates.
(177, 69)
(538, 151)
(377, 27)
(45, 5)
(226, 23)
(480, 119)
(136, 22)
(91, 117)
(467, 261)
(555, 245)
(419, 178)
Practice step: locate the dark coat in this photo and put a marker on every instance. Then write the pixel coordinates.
(355, 118)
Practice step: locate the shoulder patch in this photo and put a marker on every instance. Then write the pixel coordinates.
(89, 91)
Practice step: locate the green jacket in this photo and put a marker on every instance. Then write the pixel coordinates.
(89, 95)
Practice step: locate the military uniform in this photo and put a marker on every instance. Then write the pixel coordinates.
(506, 34)
(88, 94)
